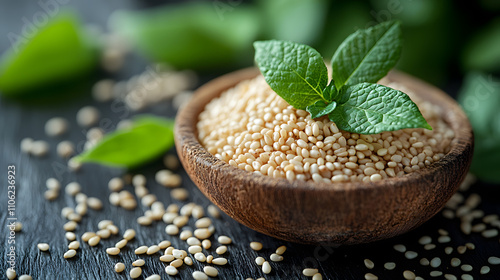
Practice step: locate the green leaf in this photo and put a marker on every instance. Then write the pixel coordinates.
(192, 35)
(321, 108)
(294, 20)
(371, 108)
(367, 55)
(483, 53)
(147, 139)
(294, 71)
(480, 99)
(57, 52)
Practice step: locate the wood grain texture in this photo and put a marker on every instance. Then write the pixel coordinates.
(306, 212)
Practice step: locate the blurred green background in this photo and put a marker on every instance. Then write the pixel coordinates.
(454, 45)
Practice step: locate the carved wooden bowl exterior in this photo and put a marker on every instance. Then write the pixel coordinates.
(307, 212)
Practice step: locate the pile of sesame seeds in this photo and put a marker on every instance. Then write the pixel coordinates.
(264, 134)
(452, 266)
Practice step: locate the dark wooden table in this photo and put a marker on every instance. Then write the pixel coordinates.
(42, 221)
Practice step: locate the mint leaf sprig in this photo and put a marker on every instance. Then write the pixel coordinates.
(352, 100)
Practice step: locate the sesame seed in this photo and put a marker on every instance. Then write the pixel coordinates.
(198, 275)
(115, 184)
(180, 194)
(196, 249)
(400, 248)
(450, 277)
(220, 250)
(102, 90)
(70, 226)
(425, 240)
(104, 233)
(224, 240)
(206, 244)
(69, 254)
(409, 275)
(429, 246)
(135, 272)
(200, 257)
(317, 276)
(25, 277)
(494, 260)
(87, 236)
(266, 267)
(467, 277)
(177, 263)
(202, 233)
(370, 276)
(74, 245)
(170, 270)
(43, 247)
(210, 258)
(436, 262)
(172, 230)
(39, 148)
(424, 262)
(461, 249)
(485, 270)
(369, 264)
(153, 250)
(256, 246)
(435, 273)
(389, 265)
(411, 255)
(309, 272)
(141, 250)
(129, 234)
(87, 116)
(448, 250)
(164, 244)
(11, 273)
(203, 223)
(455, 262)
(139, 262)
(113, 251)
(490, 233)
(276, 258)
(211, 271)
(56, 126)
(26, 145)
(70, 236)
(178, 254)
(444, 239)
(73, 188)
(213, 211)
(154, 277)
(188, 261)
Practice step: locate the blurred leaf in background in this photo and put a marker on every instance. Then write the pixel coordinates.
(191, 35)
(480, 99)
(300, 21)
(57, 52)
(429, 30)
(482, 53)
(344, 18)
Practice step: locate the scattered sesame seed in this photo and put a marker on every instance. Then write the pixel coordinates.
(467, 277)
(435, 273)
(490, 233)
(93, 241)
(177, 263)
(266, 267)
(370, 276)
(211, 271)
(485, 269)
(389, 265)
(425, 240)
(75, 245)
(25, 277)
(135, 272)
(369, 264)
(455, 262)
(11, 273)
(180, 194)
(226, 240)
(436, 262)
(276, 258)
(309, 272)
(154, 277)
(200, 257)
(444, 239)
(494, 260)
(87, 116)
(213, 211)
(170, 270)
(69, 254)
(400, 248)
(408, 275)
(153, 250)
(198, 275)
(113, 251)
(424, 262)
(206, 244)
(43, 247)
(411, 255)
(56, 126)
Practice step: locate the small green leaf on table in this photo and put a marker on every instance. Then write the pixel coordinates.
(148, 138)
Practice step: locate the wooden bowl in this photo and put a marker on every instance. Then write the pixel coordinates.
(306, 212)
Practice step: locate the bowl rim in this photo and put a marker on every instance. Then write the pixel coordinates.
(462, 141)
